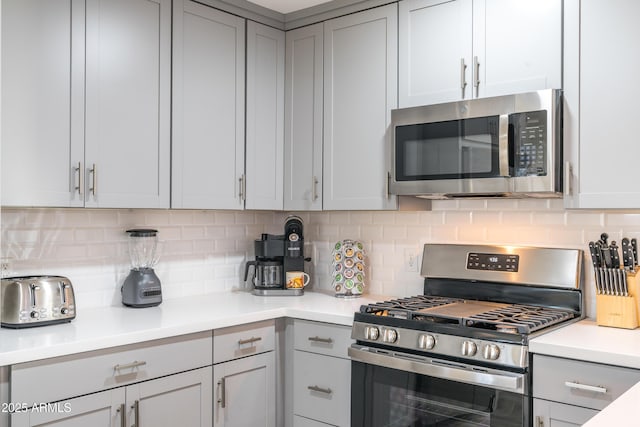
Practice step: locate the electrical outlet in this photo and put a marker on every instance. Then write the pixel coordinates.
(410, 260)
(5, 267)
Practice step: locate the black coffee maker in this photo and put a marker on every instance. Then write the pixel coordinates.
(275, 256)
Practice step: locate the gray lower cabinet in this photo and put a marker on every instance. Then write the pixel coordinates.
(162, 382)
(569, 392)
(244, 376)
(321, 374)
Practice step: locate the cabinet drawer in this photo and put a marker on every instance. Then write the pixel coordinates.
(322, 388)
(322, 338)
(586, 384)
(243, 340)
(68, 376)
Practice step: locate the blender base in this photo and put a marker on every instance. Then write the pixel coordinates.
(277, 292)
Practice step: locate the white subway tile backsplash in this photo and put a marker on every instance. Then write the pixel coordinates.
(206, 251)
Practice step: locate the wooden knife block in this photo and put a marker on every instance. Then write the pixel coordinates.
(620, 311)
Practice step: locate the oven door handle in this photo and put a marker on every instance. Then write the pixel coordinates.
(508, 381)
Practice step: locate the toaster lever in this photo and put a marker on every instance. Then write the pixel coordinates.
(34, 288)
(63, 294)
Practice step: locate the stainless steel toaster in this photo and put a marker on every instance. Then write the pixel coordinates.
(36, 301)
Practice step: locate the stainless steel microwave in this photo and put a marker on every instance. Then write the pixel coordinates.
(505, 146)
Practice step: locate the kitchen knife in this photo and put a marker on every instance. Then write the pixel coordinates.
(634, 251)
(595, 255)
(615, 254)
(625, 286)
(603, 239)
(606, 256)
(627, 255)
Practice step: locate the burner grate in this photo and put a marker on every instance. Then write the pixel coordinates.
(405, 308)
(509, 318)
(518, 318)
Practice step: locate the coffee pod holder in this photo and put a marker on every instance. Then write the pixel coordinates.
(348, 269)
(617, 297)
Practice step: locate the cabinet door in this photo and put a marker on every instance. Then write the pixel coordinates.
(42, 102)
(303, 119)
(322, 388)
(435, 51)
(104, 409)
(601, 75)
(176, 400)
(265, 117)
(128, 68)
(245, 392)
(553, 414)
(513, 54)
(360, 90)
(208, 107)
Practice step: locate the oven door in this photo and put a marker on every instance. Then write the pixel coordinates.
(393, 389)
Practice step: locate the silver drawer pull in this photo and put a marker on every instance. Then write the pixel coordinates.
(318, 339)
(586, 387)
(249, 341)
(133, 364)
(320, 389)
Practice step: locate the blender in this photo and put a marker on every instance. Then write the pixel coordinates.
(141, 288)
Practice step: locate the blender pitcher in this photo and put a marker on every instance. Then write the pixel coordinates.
(142, 288)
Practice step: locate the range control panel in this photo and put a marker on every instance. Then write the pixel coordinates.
(493, 262)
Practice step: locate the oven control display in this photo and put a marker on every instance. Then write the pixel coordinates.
(493, 262)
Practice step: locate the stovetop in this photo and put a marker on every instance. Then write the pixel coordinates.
(485, 315)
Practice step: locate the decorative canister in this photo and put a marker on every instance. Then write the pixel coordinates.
(348, 268)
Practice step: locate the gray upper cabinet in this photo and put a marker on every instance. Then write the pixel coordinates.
(127, 103)
(360, 90)
(303, 119)
(601, 88)
(42, 102)
(85, 105)
(208, 108)
(265, 117)
(452, 50)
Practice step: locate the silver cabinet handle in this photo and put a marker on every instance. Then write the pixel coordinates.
(136, 413)
(463, 80)
(120, 410)
(586, 387)
(133, 364)
(249, 340)
(476, 80)
(242, 183)
(94, 180)
(318, 339)
(320, 389)
(314, 188)
(539, 421)
(222, 399)
(76, 183)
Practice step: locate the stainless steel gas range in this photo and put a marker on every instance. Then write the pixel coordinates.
(458, 354)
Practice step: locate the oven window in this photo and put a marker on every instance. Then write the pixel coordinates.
(447, 150)
(384, 397)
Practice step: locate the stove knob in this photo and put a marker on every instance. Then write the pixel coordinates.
(371, 333)
(390, 336)
(469, 348)
(491, 352)
(426, 342)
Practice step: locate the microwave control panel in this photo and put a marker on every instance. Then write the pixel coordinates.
(530, 143)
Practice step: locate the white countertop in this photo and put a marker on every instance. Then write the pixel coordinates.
(98, 328)
(587, 341)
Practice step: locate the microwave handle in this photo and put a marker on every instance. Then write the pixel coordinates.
(503, 145)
